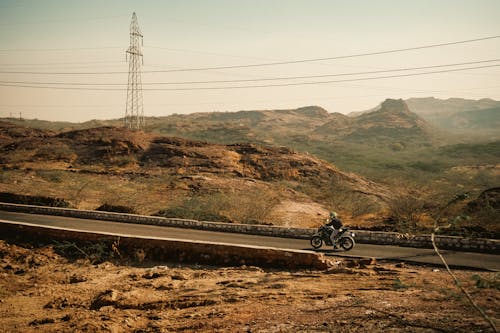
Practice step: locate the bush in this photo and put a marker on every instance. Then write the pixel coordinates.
(405, 212)
(339, 197)
(116, 209)
(492, 282)
(53, 176)
(202, 208)
(33, 200)
(125, 161)
(429, 166)
(56, 152)
(251, 206)
(95, 252)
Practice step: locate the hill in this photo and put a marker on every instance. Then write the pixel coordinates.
(431, 106)
(474, 118)
(391, 124)
(390, 143)
(272, 166)
(391, 121)
(167, 175)
(266, 126)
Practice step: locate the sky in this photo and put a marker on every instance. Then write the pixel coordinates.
(53, 44)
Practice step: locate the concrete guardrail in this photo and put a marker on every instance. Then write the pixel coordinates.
(362, 236)
(172, 250)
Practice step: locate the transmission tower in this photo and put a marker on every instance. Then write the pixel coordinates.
(134, 113)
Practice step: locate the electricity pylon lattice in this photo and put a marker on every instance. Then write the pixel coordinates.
(134, 113)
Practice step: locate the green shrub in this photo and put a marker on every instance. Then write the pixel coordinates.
(487, 283)
(53, 176)
(116, 208)
(96, 252)
(33, 200)
(429, 166)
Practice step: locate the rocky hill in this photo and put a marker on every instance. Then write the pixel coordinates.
(388, 143)
(240, 166)
(392, 119)
(474, 118)
(392, 123)
(266, 126)
(97, 162)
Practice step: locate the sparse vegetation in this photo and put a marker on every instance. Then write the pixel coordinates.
(94, 252)
(148, 174)
(33, 200)
(485, 282)
(117, 209)
(202, 208)
(60, 152)
(405, 213)
(252, 206)
(400, 285)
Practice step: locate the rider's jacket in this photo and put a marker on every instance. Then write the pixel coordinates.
(335, 222)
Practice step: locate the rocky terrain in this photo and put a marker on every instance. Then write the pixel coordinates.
(193, 166)
(283, 167)
(42, 289)
(414, 141)
(148, 173)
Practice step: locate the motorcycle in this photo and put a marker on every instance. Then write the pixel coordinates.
(345, 238)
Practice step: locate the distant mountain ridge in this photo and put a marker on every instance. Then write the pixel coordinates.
(455, 115)
(390, 141)
(433, 106)
(392, 123)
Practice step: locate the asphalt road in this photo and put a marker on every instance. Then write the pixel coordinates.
(381, 252)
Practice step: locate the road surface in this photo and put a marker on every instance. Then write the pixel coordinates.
(381, 252)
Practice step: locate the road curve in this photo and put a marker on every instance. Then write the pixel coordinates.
(381, 252)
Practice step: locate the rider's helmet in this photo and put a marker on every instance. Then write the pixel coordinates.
(333, 215)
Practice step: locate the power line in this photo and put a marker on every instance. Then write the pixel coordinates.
(263, 64)
(57, 106)
(256, 80)
(64, 20)
(417, 91)
(204, 52)
(258, 86)
(62, 63)
(333, 58)
(61, 49)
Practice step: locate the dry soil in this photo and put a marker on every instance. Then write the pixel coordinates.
(43, 291)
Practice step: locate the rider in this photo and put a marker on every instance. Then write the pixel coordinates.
(335, 223)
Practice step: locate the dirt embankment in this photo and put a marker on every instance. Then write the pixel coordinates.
(42, 290)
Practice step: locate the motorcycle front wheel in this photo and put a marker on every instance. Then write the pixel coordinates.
(316, 242)
(347, 243)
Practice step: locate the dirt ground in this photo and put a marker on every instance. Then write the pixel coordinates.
(43, 291)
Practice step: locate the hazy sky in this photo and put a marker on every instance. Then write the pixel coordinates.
(91, 37)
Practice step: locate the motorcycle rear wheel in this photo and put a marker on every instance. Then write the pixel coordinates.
(347, 243)
(316, 242)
